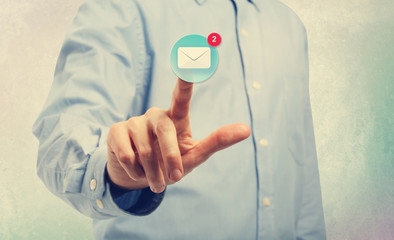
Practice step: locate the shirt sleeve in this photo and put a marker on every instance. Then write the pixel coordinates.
(100, 79)
(311, 223)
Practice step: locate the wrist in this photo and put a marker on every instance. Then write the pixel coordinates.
(119, 178)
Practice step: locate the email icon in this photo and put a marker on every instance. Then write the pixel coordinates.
(194, 57)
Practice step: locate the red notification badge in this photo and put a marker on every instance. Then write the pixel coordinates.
(214, 39)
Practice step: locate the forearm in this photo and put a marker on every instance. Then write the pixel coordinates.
(77, 178)
(96, 84)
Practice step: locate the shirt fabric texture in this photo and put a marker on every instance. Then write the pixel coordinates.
(114, 64)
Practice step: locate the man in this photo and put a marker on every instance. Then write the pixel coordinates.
(118, 147)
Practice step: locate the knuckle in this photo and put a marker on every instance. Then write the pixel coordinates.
(164, 125)
(152, 110)
(114, 128)
(145, 154)
(133, 122)
(172, 157)
(117, 126)
(124, 158)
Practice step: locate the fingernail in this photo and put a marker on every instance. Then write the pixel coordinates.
(157, 189)
(176, 174)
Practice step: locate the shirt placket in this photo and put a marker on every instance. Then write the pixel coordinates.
(249, 41)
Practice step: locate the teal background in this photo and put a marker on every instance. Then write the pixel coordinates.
(351, 81)
(193, 75)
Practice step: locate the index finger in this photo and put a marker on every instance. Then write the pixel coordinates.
(181, 99)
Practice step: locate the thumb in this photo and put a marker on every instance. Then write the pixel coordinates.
(222, 138)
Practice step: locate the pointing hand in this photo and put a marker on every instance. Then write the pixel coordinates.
(156, 149)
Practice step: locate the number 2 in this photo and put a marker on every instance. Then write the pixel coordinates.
(214, 38)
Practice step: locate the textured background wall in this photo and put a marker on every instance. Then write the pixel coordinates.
(352, 85)
(351, 47)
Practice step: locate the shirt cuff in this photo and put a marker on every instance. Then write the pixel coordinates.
(97, 190)
(139, 202)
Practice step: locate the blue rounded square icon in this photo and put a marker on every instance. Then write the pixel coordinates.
(193, 59)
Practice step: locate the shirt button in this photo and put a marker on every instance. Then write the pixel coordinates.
(266, 201)
(244, 32)
(263, 142)
(256, 85)
(93, 184)
(99, 204)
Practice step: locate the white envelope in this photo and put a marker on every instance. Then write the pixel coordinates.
(194, 57)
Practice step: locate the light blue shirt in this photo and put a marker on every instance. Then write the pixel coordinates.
(115, 64)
